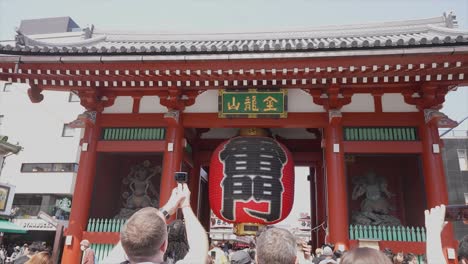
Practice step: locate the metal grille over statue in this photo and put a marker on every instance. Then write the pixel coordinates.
(251, 181)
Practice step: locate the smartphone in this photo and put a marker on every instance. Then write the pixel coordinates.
(458, 212)
(180, 177)
(213, 255)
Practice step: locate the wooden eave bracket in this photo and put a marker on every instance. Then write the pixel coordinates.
(429, 96)
(441, 120)
(177, 99)
(93, 101)
(172, 117)
(334, 116)
(87, 118)
(35, 94)
(332, 97)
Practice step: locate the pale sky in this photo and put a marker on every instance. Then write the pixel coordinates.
(239, 15)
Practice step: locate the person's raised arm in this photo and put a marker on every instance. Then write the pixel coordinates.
(435, 222)
(196, 234)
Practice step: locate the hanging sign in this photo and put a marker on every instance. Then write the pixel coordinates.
(251, 181)
(7, 194)
(34, 224)
(253, 103)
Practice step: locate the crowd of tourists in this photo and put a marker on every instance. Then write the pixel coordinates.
(146, 238)
(34, 253)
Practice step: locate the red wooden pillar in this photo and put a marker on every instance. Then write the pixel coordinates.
(320, 203)
(336, 183)
(434, 175)
(82, 194)
(173, 155)
(313, 207)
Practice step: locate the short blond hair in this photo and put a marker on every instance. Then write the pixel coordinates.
(143, 234)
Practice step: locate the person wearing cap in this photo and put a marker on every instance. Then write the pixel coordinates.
(328, 254)
(15, 253)
(30, 251)
(88, 253)
(241, 257)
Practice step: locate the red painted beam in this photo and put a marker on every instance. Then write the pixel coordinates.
(381, 119)
(133, 120)
(294, 120)
(102, 237)
(131, 146)
(383, 147)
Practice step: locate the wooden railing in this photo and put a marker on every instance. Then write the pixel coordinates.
(133, 133)
(105, 225)
(388, 233)
(101, 251)
(380, 134)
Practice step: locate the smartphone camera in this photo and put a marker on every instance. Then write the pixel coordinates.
(181, 177)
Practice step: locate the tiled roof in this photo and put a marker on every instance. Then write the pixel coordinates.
(439, 31)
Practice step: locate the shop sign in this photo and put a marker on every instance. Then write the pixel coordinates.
(34, 224)
(304, 221)
(253, 103)
(7, 194)
(218, 223)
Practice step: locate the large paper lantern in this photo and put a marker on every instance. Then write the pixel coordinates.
(251, 180)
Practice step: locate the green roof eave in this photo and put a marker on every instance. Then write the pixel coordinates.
(9, 227)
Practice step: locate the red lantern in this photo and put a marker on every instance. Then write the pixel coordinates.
(251, 180)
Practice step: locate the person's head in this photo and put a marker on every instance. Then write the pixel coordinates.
(240, 257)
(144, 236)
(364, 256)
(177, 246)
(40, 258)
(276, 246)
(463, 250)
(411, 258)
(398, 258)
(389, 253)
(338, 254)
(84, 244)
(318, 252)
(34, 248)
(327, 252)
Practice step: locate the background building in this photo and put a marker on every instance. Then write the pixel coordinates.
(456, 169)
(44, 171)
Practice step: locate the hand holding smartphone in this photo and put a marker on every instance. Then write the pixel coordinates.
(458, 212)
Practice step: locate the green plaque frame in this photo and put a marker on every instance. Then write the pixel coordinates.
(253, 103)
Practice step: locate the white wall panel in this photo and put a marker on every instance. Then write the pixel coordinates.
(150, 104)
(122, 105)
(360, 103)
(207, 102)
(396, 103)
(300, 101)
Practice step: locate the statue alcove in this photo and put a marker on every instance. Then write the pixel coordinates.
(124, 183)
(387, 190)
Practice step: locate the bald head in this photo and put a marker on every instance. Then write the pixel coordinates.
(144, 234)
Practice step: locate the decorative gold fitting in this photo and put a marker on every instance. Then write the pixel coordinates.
(253, 131)
(246, 229)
